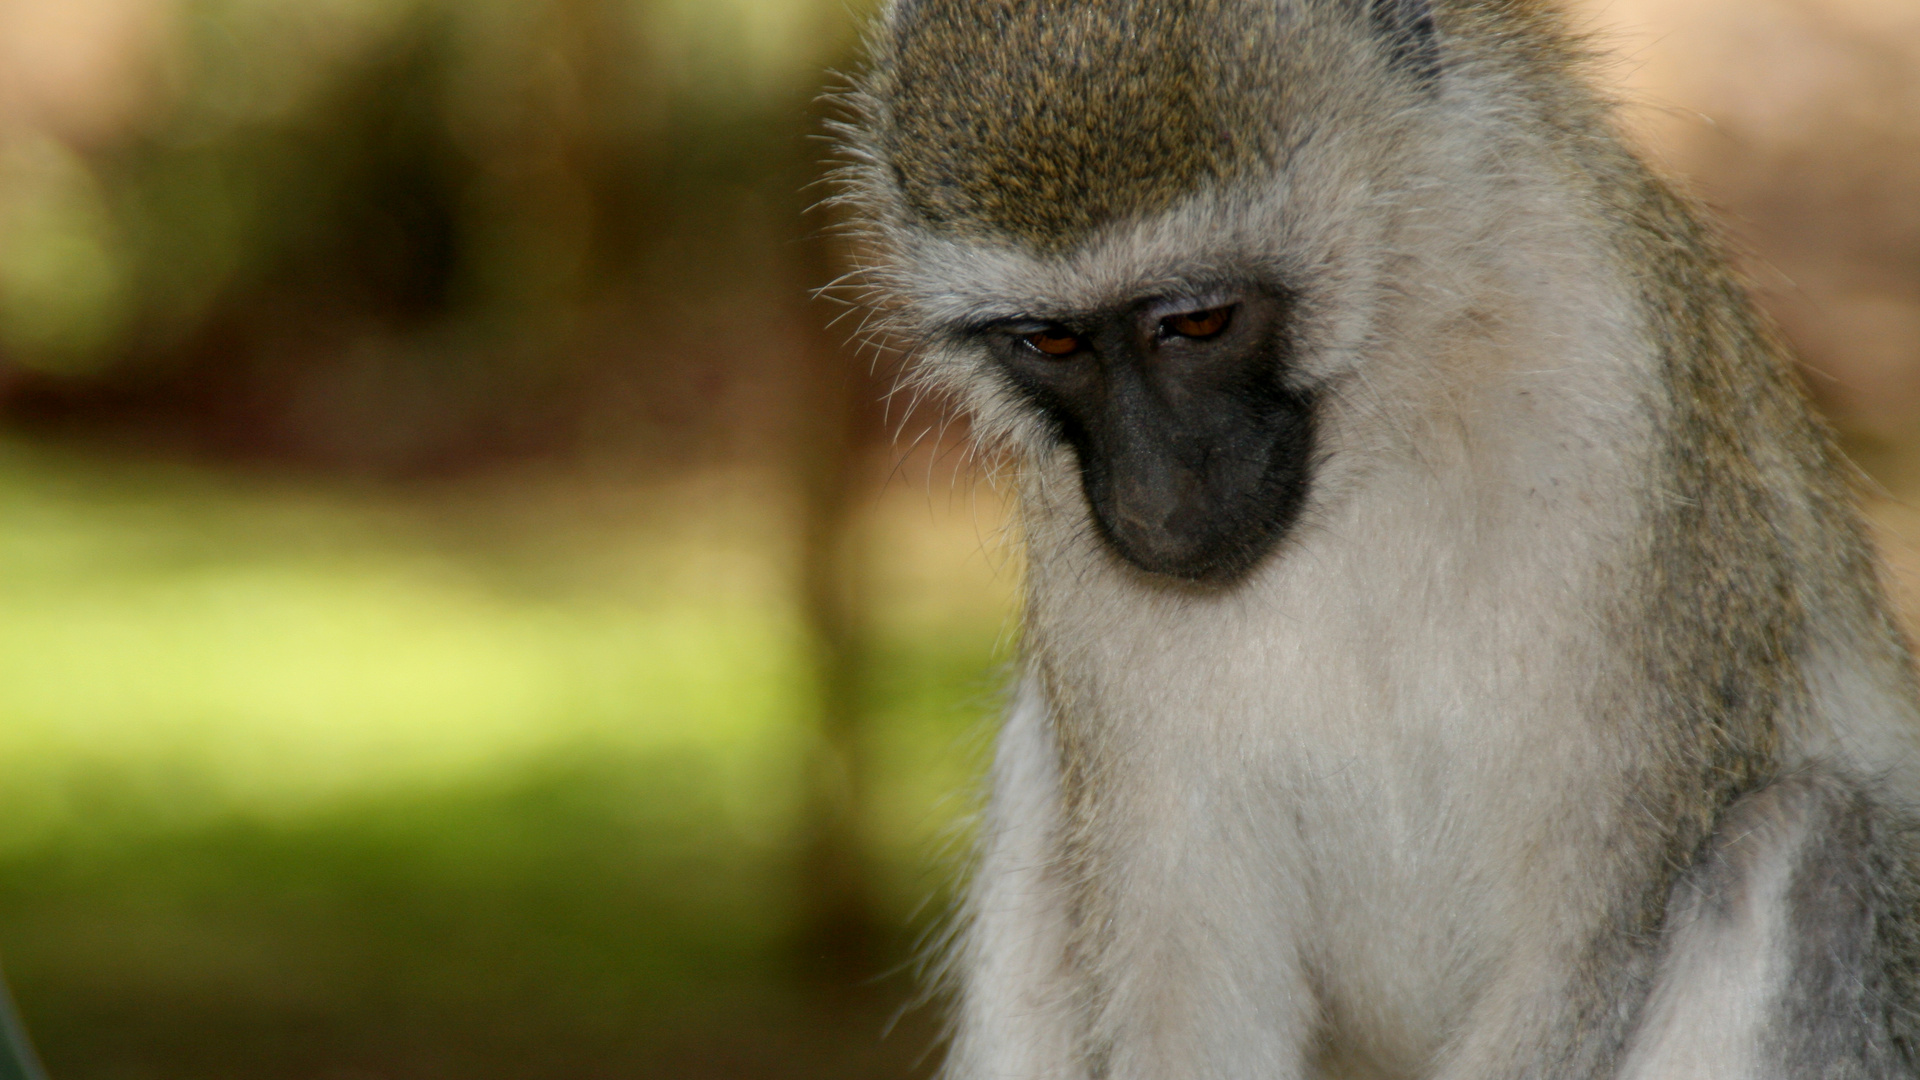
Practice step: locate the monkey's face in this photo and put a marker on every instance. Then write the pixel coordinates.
(1192, 451)
(1150, 238)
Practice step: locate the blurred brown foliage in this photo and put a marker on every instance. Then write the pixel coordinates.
(1799, 121)
(405, 236)
(405, 240)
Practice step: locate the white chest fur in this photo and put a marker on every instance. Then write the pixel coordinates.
(1340, 761)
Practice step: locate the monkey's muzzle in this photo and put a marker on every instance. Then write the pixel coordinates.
(1194, 454)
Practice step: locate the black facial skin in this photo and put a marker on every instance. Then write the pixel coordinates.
(1193, 454)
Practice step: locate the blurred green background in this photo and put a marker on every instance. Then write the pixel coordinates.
(460, 614)
(464, 609)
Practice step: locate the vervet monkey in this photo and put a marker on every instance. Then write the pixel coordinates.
(1449, 647)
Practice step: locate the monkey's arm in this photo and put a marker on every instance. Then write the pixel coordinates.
(1786, 946)
(1783, 955)
(1014, 1018)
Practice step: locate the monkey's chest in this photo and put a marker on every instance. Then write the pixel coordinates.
(1390, 850)
(1323, 782)
(1383, 883)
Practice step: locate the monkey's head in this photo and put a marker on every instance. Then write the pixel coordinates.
(1146, 239)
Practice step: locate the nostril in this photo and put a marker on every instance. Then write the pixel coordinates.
(1140, 508)
(1129, 515)
(1155, 523)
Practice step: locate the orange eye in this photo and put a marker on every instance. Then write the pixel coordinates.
(1198, 324)
(1054, 341)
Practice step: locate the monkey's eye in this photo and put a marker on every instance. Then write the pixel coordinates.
(1054, 341)
(1197, 324)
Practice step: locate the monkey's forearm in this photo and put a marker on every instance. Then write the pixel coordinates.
(1016, 1009)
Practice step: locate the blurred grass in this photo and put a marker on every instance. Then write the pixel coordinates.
(491, 779)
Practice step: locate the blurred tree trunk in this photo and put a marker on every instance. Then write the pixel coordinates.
(838, 427)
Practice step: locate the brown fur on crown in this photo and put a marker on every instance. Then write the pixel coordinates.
(1040, 120)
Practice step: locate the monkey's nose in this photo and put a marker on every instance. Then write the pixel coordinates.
(1137, 517)
(1143, 506)
(1154, 523)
